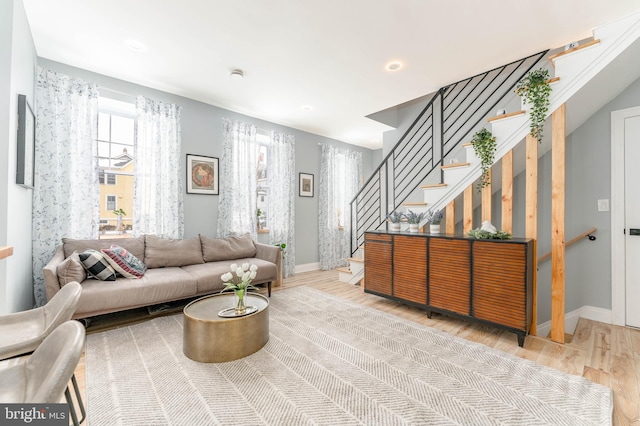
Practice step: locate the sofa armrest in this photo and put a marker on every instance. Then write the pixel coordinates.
(271, 254)
(50, 272)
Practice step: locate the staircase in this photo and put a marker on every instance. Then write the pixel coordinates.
(433, 163)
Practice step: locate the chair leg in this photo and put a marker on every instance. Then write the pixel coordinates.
(72, 410)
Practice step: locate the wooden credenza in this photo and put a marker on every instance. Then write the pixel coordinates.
(487, 281)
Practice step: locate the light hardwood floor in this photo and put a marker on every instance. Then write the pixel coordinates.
(603, 353)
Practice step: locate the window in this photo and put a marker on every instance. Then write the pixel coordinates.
(111, 202)
(116, 133)
(262, 189)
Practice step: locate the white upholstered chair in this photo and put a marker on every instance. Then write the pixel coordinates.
(44, 376)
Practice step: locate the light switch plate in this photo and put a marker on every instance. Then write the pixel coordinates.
(603, 205)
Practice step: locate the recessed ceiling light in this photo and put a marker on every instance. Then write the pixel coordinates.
(393, 66)
(236, 74)
(135, 45)
(307, 107)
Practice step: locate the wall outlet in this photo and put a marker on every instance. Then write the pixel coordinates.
(603, 205)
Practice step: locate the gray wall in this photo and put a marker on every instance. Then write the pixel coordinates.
(17, 76)
(588, 178)
(202, 134)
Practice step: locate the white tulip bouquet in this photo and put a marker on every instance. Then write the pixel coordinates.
(242, 279)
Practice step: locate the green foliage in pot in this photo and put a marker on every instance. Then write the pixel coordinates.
(413, 217)
(395, 217)
(484, 145)
(435, 217)
(481, 234)
(535, 90)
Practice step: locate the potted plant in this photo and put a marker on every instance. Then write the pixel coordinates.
(119, 213)
(488, 232)
(484, 145)
(414, 220)
(394, 220)
(434, 218)
(258, 214)
(536, 90)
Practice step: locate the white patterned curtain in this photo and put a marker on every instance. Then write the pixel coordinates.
(340, 178)
(281, 183)
(237, 206)
(157, 188)
(66, 195)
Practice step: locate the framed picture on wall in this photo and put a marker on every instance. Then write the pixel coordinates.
(306, 185)
(202, 175)
(26, 143)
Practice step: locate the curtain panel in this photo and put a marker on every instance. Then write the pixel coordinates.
(158, 188)
(340, 179)
(66, 189)
(281, 186)
(237, 206)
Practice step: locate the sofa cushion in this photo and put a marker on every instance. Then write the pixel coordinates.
(133, 245)
(125, 263)
(166, 252)
(208, 275)
(96, 265)
(157, 286)
(215, 249)
(71, 269)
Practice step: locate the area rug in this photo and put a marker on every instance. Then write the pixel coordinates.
(329, 361)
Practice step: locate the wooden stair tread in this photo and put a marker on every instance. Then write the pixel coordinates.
(573, 49)
(452, 166)
(501, 116)
(464, 145)
(435, 185)
(355, 259)
(414, 204)
(550, 81)
(344, 269)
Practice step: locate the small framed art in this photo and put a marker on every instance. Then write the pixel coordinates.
(202, 175)
(306, 185)
(26, 143)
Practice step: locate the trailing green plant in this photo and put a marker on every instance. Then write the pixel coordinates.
(283, 247)
(413, 217)
(484, 145)
(481, 234)
(535, 90)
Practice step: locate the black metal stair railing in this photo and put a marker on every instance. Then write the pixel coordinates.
(451, 117)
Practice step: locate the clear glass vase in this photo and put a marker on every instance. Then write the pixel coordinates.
(240, 308)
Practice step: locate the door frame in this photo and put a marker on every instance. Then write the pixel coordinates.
(618, 251)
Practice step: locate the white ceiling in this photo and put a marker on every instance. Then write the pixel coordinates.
(327, 54)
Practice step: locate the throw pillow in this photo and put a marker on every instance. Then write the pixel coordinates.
(97, 266)
(71, 270)
(124, 262)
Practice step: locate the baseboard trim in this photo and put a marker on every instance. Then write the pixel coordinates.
(307, 267)
(571, 319)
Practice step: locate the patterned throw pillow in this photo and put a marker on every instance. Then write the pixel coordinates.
(124, 262)
(97, 266)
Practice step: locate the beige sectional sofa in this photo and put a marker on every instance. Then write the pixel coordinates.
(176, 269)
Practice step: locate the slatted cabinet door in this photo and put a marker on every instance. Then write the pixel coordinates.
(378, 263)
(410, 268)
(450, 274)
(500, 283)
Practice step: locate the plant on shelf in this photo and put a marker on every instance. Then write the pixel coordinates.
(240, 284)
(488, 232)
(395, 218)
(535, 89)
(258, 214)
(413, 217)
(434, 217)
(484, 145)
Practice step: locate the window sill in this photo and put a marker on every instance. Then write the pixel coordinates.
(263, 231)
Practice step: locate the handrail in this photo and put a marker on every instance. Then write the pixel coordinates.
(448, 119)
(571, 242)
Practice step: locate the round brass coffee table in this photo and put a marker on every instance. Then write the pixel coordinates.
(208, 337)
